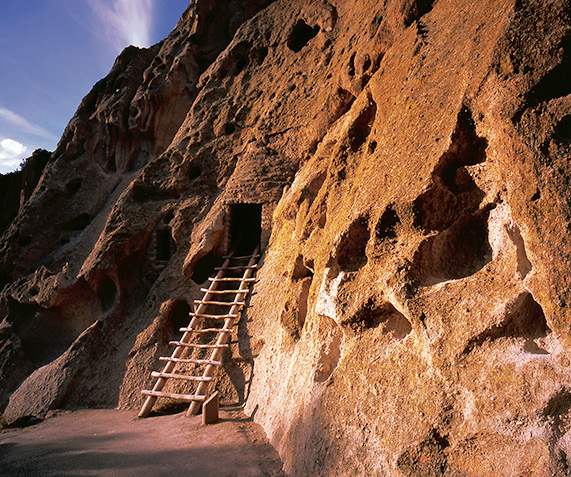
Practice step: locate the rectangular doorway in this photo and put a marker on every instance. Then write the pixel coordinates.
(245, 227)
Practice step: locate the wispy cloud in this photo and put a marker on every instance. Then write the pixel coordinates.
(11, 155)
(126, 22)
(22, 124)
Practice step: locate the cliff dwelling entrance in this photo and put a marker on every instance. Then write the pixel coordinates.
(245, 227)
(164, 249)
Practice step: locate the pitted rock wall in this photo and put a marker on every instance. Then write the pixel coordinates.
(411, 312)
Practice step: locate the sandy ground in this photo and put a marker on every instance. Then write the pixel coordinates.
(109, 442)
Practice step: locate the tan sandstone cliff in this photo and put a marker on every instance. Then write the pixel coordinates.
(410, 160)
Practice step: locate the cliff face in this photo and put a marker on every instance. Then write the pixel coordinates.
(411, 163)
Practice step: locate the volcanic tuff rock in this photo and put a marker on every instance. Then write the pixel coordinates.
(411, 163)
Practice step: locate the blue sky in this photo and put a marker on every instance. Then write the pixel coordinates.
(53, 51)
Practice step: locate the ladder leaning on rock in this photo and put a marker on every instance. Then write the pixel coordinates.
(221, 295)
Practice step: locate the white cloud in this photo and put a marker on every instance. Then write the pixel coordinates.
(126, 22)
(11, 155)
(22, 124)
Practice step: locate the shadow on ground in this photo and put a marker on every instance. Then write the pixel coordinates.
(110, 442)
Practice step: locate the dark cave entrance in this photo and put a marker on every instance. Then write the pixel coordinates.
(205, 267)
(164, 245)
(245, 228)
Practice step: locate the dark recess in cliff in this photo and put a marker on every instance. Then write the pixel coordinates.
(16, 187)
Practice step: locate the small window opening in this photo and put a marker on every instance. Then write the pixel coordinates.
(73, 187)
(107, 293)
(195, 172)
(179, 316)
(564, 128)
(164, 244)
(76, 224)
(205, 267)
(229, 128)
(245, 227)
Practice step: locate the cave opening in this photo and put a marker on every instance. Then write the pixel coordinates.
(76, 224)
(107, 292)
(361, 128)
(564, 128)
(245, 228)
(300, 35)
(179, 315)
(164, 244)
(350, 253)
(205, 267)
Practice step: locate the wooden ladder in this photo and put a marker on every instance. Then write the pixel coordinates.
(222, 293)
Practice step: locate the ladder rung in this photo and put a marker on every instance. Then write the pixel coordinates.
(207, 330)
(194, 345)
(155, 374)
(231, 279)
(191, 361)
(214, 317)
(222, 303)
(224, 292)
(239, 267)
(183, 397)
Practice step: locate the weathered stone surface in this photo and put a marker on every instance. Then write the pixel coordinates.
(48, 387)
(126, 121)
(411, 159)
(16, 187)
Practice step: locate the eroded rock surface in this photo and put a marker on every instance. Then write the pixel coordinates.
(409, 161)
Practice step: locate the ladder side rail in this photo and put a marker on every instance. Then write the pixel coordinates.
(224, 336)
(170, 365)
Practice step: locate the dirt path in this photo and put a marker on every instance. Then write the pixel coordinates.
(117, 443)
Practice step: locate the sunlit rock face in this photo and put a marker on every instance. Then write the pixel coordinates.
(409, 164)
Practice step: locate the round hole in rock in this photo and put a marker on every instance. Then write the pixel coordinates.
(564, 128)
(179, 315)
(458, 252)
(302, 269)
(107, 293)
(241, 63)
(164, 244)
(204, 268)
(360, 129)
(300, 35)
(372, 315)
(350, 253)
(351, 70)
(366, 63)
(524, 319)
(229, 128)
(73, 187)
(258, 55)
(139, 193)
(46, 334)
(168, 217)
(386, 227)
(195, 172)
(77, 223)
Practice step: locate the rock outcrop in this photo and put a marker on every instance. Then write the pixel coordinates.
(408, 163)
